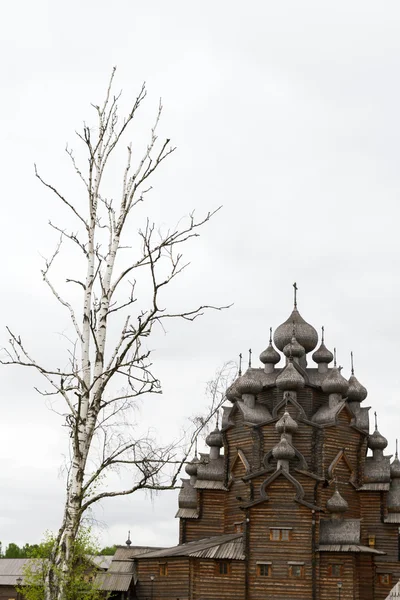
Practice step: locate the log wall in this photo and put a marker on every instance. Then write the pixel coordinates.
(168, 587)
(209, 585)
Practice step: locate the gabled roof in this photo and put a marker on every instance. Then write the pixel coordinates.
(228, 546)
(121, 571)
(394, 592)
(13, 568)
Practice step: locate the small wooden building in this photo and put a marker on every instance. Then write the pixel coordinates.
(293, 509)
(119, 579)
(12, 573)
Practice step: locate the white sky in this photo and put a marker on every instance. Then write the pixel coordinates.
(284, 112)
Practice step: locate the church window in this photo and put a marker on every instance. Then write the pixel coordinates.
(385, 578)
(163, 569)
(223, 567)
(264, 569)
(296, 570)
(280, 534)
(335, 570)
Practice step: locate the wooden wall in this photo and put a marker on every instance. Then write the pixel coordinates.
(169, 587)
(211, 517)
(280, 511)
(7, 592)
(328, 589)
(207, 585)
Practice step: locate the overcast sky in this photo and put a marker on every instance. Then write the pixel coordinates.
(287, 114)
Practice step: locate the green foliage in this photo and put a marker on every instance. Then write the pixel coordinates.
(14, 551)
(78, 582)
(108, 551)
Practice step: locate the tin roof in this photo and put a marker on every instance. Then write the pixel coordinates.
(11, 569)
(228, 546)
(394, 592)
(114, 582)
(102, 561)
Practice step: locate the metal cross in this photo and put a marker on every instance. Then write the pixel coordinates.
(295, 294)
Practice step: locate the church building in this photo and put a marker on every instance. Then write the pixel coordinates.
(286, 504)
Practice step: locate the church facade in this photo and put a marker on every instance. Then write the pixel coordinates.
(294, 508)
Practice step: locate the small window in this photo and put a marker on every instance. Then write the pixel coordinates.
(296, 571)
(163, 569)
(223, 567)
(371, 541)
(335, 570)
(280, 535)
(264, 570)
(275, 535)
(238, 527)
(285, 535)
(385, 578)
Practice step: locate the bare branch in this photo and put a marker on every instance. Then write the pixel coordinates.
(61, 197)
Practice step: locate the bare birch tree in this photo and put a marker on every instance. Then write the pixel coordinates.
(104, 379)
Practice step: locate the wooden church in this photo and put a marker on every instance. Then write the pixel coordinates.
(293, 508)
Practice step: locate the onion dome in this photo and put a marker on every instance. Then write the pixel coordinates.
(286, 424)
(246, 384)
(395, 468)
(283, 450)
(336, 503)
(356, 391)
(215, 439)
(191, 468)
(335, 383)
(322, 355)
(289, 378)
(270, 355)
(231, 393)
(377, 441)
(294, 349)
(306, 335)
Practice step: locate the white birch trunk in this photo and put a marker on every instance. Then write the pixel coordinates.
(82, 385)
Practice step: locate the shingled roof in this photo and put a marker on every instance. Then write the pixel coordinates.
(228, 546)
